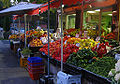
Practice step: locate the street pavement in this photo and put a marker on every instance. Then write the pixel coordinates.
(10, 71)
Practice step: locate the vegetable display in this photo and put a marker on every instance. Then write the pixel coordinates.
(82, 58)
(102, 66)
(55, 49)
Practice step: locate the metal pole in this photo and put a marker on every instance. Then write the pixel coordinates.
(14, 25)
(119, 21)
(48, 36)
(100, 18)
(28, 26)
(25, 28)
(19, 25)
(61, 36)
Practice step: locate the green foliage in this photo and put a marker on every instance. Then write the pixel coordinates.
(5, 21)
(5, 3)
(26, 51)
(82, 58)
(102, 66)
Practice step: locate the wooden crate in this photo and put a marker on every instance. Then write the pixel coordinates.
(23, 62)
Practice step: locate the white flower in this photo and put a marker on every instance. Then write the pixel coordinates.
(112, 72)
(117, 77)
(117, 69)
(117, 66)
(118, 61)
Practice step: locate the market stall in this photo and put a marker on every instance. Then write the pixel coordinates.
(78, 50)
(84, 45)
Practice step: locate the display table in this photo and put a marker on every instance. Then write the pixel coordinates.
(87, 76)
(16, 45)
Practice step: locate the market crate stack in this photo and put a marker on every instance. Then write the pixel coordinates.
(23, 62)
(35, 67)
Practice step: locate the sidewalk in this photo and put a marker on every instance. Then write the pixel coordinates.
(10, 72)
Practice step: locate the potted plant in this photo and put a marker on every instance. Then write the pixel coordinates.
(25, 52)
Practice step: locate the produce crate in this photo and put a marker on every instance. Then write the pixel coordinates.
(40, 71)
(23, 62)
(34, 60)
(34, 76)
(36, 66)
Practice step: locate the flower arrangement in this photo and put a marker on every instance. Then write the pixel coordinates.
(114, 74)
(14, 36)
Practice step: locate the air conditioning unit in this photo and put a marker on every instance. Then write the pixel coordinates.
(63, 78)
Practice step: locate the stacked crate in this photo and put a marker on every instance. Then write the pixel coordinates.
(23, 62)
(35, 67)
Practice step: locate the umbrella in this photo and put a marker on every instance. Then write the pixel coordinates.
(19, 9)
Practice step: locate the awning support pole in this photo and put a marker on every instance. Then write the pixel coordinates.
(100, 18)
(61, 36)
(19, 24)
(119, 23)
(48, 36)
(25, 29)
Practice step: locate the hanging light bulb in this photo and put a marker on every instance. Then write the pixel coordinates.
(28, 0)
(16, 2)
(12, 2)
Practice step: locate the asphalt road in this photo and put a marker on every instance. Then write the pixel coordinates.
(10, 71)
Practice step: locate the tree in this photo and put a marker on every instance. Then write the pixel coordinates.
(5, 21)
(5, 3)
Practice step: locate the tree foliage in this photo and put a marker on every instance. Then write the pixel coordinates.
(5, 3)
(6, 20)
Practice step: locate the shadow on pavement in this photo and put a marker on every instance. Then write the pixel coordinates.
(19, 80)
